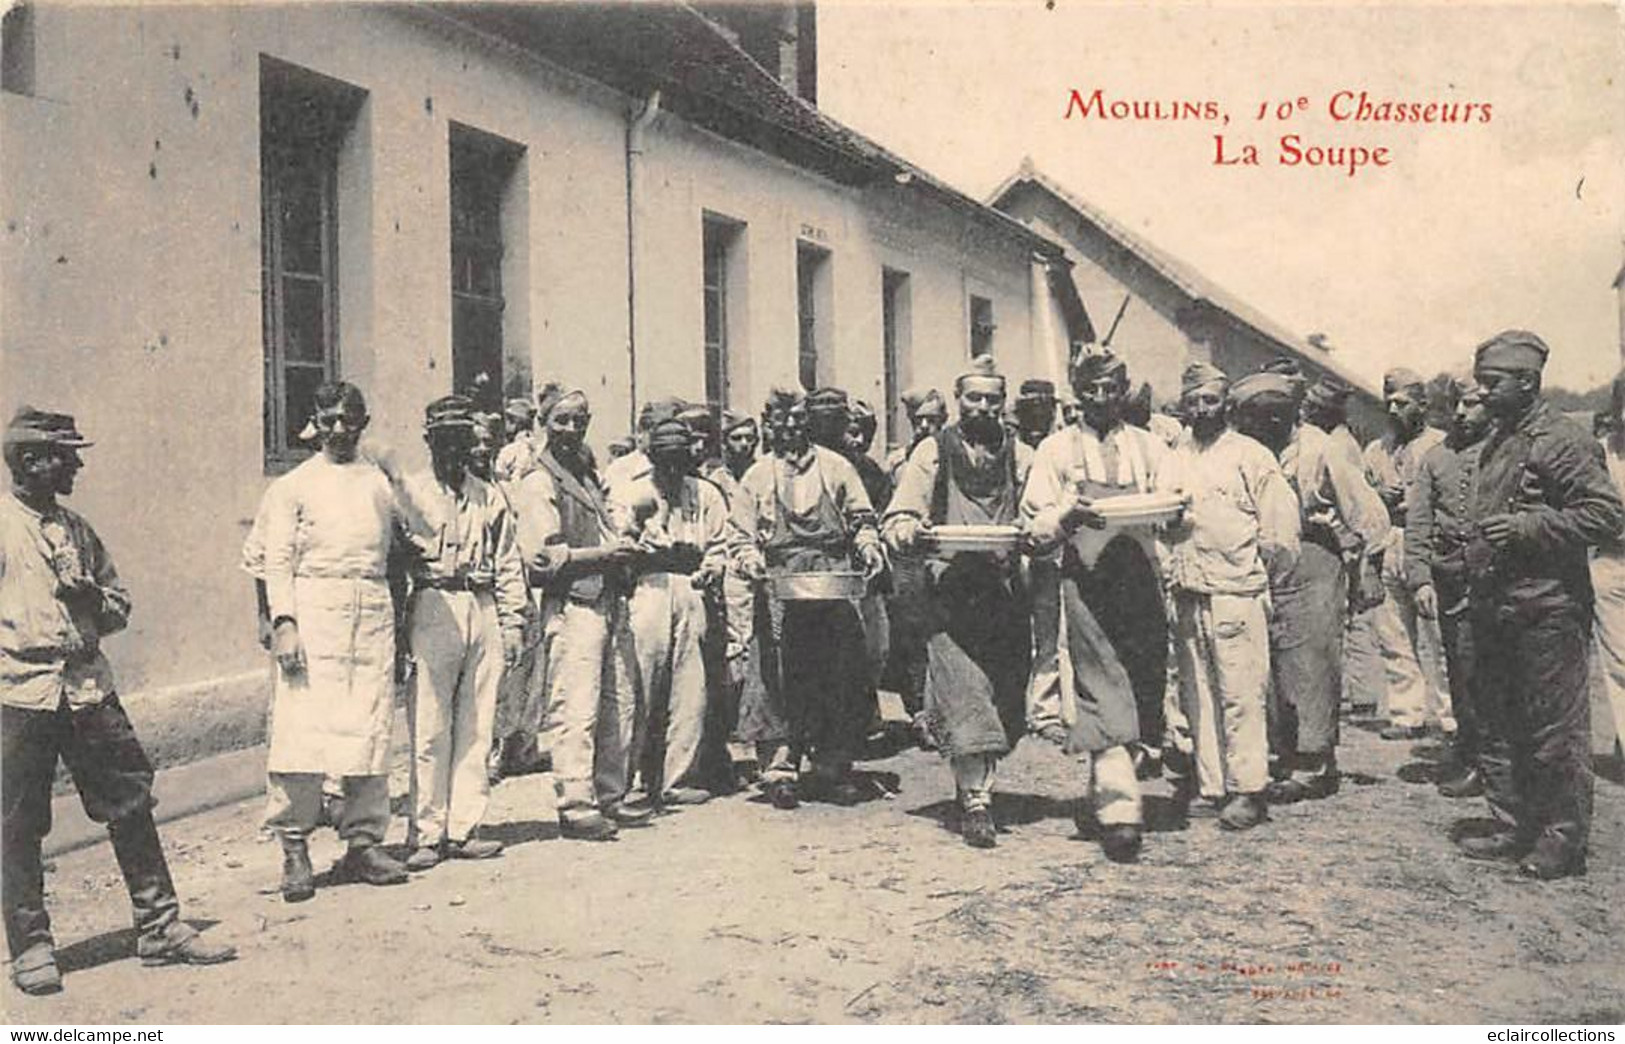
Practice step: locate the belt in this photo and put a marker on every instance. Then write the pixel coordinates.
(304, 573)
(451, 583)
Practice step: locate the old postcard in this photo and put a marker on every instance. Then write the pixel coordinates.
(1035, 512)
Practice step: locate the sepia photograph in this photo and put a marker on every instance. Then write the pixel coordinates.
(813, 512)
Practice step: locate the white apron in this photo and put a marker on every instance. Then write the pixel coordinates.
(329, 530)
(336, 718)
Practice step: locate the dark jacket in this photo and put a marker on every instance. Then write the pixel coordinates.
(1438, 507)
(1548, 473)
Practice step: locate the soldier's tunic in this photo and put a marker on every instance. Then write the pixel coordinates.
(1531, 604)
(978, 648)
(1436, 535)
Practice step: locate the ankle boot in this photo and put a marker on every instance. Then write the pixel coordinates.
(298, 879)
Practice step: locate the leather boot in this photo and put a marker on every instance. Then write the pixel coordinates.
(370, 864)
(1554, 856)
(1243, 812)
(1121, 842)
(298, 879)
(1504, 844)
(978, 829)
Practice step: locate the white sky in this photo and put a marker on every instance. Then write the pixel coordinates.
(1472, 229)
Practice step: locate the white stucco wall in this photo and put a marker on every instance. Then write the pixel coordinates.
(130, 269)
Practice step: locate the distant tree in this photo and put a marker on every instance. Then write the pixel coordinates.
(1566, 400)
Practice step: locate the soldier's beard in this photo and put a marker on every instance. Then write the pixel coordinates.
(1206, 427)
(981, 428)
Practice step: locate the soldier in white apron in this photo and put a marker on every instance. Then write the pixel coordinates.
(331, 524)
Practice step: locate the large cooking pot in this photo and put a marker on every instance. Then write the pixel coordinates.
(842, 586)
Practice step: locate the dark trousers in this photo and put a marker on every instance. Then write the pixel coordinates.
(1306, 650)
(721, 700)
(114, 779)
(814, 692)
(979, 658)
(1456, 630)
(908, 613)
(1531, 679)
(1117, 634)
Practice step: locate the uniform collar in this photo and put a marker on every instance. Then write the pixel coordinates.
(32, 511)
(803, 463)
(1536, 420)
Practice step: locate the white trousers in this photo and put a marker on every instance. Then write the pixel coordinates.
(1418, 692)
(1363, 682)
(1608, 577)
(1111, 787)
(1046, 695)
(1224, 670)
(457, 654)
(668, 625)
(592, 700)
(973, 779)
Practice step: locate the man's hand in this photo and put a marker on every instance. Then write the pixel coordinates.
(905, 533)
(621, 553)
(1499, 530)
(1427, 601)
(1083, 513)
(708, 581)
(287, 648)
(513, 646)
(737, 669)
(265, 632)
(874, 561)
(752, 566)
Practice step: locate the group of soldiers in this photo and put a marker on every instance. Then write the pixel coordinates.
(1169, 592)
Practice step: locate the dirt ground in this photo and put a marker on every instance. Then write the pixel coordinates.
(1354, 909)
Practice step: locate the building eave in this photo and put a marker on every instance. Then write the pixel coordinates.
(705, 79)
(1202, 293)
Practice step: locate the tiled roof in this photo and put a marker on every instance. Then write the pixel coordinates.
(666, 45)
(1189, 282)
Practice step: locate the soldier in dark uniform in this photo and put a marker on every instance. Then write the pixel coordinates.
(1435, 535)
(1541, 499)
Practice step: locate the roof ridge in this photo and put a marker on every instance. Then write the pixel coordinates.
(1183, 274)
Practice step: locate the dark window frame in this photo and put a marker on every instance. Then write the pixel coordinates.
(480, 170)
(894, 282)
(810, 269)
(304, 118)
(982, 325)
